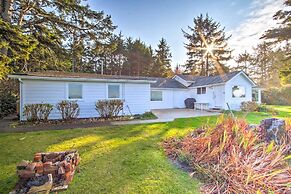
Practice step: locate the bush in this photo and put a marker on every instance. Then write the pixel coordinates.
(233, 159)
(37, 112)
(7, 104)
(109, 108)
(277, 96)
(145, 116)
(68, 109)
(249, 106)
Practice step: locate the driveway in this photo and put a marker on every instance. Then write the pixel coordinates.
(167, 115)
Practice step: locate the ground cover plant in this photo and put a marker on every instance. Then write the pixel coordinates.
(232, 158)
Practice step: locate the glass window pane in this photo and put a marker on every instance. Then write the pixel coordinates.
(156, 96)
(75, 91)
(255, 95)
(198, 90)
(113, 91)
(203, 90)
(238, 92)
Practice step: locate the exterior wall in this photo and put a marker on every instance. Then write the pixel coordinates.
(136, 96)
(172, 98)
(235, 103)
(214, 96)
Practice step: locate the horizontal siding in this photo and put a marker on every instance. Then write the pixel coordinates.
(168, 100)
(136, 96)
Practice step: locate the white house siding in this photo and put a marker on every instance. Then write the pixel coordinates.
(239, 80)
(136, 96)
(172, 98)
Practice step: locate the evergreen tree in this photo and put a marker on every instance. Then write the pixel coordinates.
(62, 29)
(207, 47)
(245, 63)
(162, 64)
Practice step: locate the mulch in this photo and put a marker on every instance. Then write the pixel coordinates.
(11, 124)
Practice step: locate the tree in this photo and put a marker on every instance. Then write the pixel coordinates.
(62, 29)
(245, 63)
(162, 57)
(283, 32)
(207, 47)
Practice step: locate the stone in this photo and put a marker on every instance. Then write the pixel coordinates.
(31, 166)
(45, 188)
(39, 168)
(25, 174)
(22, 165)
(50, 169)
(61, 170)
(273, 129)
(37, 157)
(68, 167)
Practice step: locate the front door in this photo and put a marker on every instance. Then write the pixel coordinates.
(218, 96)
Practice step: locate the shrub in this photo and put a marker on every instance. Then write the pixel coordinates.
(7, 104)
(37, 112)
(277, 96)
(109, 108)
(68, 109)
(145, 116)
(233, 159)
(249, 106)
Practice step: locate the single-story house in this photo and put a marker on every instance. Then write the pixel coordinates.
(140, 94)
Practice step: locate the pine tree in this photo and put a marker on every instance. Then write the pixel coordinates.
(162, 64)
(245, 63)
(207, 47)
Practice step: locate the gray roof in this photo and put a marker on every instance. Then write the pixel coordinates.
(59, 74)
(208, 80)
(166, 83)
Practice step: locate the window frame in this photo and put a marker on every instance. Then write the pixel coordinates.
(68, 91)
(158, 99)
(256, 93)
(245, 92)
(200, 90)
(114, 84)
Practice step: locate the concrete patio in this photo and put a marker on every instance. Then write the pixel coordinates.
(167, 115)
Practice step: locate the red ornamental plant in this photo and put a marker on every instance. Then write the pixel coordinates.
(233, 159)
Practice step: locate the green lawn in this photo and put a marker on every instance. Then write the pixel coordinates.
(115, 159)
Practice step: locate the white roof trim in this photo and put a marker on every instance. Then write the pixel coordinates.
(153, 88)
(208, 85)
(25, 77)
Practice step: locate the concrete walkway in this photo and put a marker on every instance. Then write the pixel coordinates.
(167, 115)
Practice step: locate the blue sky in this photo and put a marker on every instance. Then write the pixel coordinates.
(150, 20)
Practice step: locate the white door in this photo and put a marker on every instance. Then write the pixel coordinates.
(218, 96)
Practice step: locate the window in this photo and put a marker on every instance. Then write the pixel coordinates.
(255, 95)
(238, 92)
(156, 96)
(113, 91)
(201, 90)
(75, 91)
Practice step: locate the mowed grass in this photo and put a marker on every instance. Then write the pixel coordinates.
(115, 159)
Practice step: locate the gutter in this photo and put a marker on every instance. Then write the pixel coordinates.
(79, 79)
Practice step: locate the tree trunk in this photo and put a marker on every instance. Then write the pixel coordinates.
(6, 14)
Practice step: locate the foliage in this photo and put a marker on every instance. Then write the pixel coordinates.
(283, 31)
(233, 159)
(8, 97)
(37, 112)
(203, 61)
(249, 106)
(109, 108)
(162, 60)
(68, 109)
(279, 96)
(145, 116)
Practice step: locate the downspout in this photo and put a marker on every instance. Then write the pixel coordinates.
(20, 99)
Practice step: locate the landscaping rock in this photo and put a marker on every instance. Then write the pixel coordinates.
(273, 129)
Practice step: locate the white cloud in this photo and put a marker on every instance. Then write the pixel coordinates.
(259, 18)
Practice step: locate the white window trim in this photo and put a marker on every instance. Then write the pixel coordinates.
(120, 91)
(67, 92)
(157, 100)
(201, 90)
(238, 97)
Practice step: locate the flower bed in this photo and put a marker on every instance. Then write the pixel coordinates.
(233, 158)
